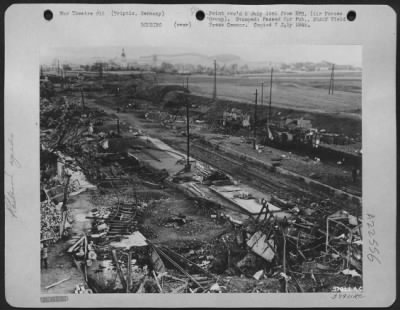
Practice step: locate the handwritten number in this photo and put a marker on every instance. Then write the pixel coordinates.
(374, 250)
(374, 242)
(373, 258)
(373, 255)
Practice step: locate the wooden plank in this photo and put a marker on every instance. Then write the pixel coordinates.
(128, 285)
(119, 271)
(157, 261)
(57, 283)
(75, 245)
(158, 283)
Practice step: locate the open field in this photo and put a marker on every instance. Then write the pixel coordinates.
(300, 91)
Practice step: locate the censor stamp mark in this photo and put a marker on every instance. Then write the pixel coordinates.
(54, 299)
(342, 296)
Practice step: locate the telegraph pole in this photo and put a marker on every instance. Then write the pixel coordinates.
(262, 96)
(63, 78)
(118, 130)
(262, 93)
(215, 80)
(255, 122)
(187, 82)
(187, 168)
(331, 83)
(270, 97)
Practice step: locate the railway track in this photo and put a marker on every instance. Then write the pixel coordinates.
(262, 179)
(268, 181)
(243, 169)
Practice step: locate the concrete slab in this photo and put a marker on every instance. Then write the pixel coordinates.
(261, 246)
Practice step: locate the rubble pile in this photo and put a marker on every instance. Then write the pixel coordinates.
(50, 219)
(266, 253)
(306, 248)
(81, 289)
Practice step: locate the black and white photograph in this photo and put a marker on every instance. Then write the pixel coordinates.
(186, 172)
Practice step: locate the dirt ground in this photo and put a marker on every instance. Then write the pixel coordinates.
(198, 227)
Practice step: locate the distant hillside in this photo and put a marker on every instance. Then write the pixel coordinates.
(191, 58)
(227, 58)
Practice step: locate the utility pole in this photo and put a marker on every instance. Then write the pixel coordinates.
(262, 93)
(187, 168)
(255, 122)
(63, 78)
(262, 96)
(270, 97)
(215, 80)
(187, 82)
(118, 130)
(331, 82)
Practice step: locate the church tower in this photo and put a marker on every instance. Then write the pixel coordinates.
(123, 59)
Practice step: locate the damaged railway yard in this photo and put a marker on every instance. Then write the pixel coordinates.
(149, 185)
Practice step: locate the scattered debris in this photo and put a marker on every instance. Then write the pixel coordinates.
(258, 274)
(352, 273)
(260, 245)
(81, 289)
(57, 283)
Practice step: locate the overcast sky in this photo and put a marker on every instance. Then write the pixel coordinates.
(339, 54)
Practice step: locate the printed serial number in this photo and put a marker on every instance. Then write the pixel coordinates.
(151, 25)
